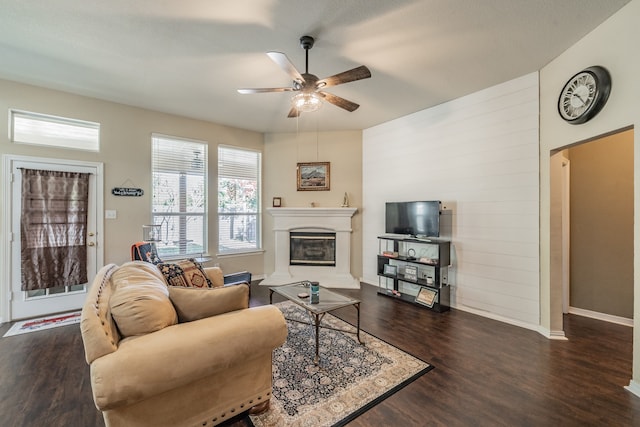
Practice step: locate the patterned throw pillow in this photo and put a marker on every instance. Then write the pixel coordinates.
(145, 251)
(186, 273)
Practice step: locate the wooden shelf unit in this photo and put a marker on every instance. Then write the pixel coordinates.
(428, 258)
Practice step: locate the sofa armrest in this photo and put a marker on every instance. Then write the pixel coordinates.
(215, 275)
(152, 364)
(99, 332)
(235, 278)
(198, 303)
(219, 279)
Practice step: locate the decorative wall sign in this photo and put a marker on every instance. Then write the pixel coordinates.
(127, 191)
(313, 176)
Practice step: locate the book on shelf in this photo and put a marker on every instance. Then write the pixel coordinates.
(390, 254)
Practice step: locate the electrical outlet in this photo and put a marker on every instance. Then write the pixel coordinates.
(110, 214)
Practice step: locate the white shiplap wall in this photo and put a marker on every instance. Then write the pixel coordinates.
(479, 156)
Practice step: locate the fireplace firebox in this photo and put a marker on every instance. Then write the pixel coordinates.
(312, 248)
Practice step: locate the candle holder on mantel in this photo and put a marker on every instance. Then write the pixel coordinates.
(151, 233)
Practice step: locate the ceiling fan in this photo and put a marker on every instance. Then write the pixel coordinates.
(310, 88)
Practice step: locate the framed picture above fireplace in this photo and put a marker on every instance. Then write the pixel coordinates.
(313, 176)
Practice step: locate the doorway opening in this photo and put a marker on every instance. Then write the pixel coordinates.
(592, 211)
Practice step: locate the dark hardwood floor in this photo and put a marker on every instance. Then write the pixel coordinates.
(487, 373)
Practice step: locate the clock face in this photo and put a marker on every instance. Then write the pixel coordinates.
(584, 95)
(578, 96)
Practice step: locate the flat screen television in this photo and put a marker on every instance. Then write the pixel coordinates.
(413, 218)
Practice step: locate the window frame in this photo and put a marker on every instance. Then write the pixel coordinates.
(157, 137)
(258, 213)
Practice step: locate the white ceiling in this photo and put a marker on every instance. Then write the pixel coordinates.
(188, 57)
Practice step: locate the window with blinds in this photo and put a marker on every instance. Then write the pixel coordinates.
(52, 131)
(179, 194)
(239, 172)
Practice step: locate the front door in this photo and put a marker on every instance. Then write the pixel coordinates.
(25, 304)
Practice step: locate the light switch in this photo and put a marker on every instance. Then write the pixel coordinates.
(110, 214)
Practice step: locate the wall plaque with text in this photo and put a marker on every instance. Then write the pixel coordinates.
(127, 191)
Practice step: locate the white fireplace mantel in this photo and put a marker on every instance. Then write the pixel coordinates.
(338, 220)
(339, 212)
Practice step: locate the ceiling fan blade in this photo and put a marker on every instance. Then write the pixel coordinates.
(339, 102)
(284, 63)
(352, 75)
(265, 90)
(293, 112)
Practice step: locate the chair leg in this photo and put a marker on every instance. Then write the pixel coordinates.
(260, 408)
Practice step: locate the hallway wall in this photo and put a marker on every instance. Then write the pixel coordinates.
(602, 225)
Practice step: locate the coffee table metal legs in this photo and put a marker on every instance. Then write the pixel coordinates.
(357, 306)
(317, 320)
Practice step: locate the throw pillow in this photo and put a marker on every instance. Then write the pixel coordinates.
(193, 303)
(145, 251)
(186, 273)
(140, 301)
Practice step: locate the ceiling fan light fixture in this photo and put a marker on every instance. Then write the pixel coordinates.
(306, 102)
(310, 88)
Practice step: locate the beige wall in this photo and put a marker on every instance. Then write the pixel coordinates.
(126, 154)
(608, 45)
(282, 151)
(602, 225)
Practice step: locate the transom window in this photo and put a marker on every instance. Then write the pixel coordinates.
(179, 187)
(239, 172)
(52, 131)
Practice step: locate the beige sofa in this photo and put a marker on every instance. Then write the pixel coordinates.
(166, 356)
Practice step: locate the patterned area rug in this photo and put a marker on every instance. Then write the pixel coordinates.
(33, 325)
(350, 378)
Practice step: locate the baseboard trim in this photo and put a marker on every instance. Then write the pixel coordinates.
(633, 387)
(601, 316)
(497, 317)
(483, 313)
(552, 335)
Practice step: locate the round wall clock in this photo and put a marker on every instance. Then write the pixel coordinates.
(584, 95)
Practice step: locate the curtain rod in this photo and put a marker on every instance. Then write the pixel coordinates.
(52, 170)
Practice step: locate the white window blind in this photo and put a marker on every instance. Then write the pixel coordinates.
(61, 132)
(239, 172)
(179, 190)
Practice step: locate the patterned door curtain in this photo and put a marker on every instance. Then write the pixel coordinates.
(53, 228)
